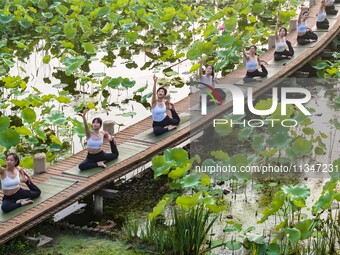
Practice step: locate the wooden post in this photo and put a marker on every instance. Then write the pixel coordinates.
(39, 163)
(109, 126)
(271, 42)
(98, 205)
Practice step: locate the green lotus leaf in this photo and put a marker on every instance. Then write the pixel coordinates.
(5, 19)
(20, 103)
(4, 123)
(23, 131)
(47, 15)
(321, 65)
(79, 131)
(334, 172)
(294, 235)
(25, 23)
(336, 123)
(279, 140)
(104, 11)
(180, 171)
(61, 9)
(40, 133)
(9, 138)
(73, 64)
(161, 166)
(215, 208)
(70, 31)
(195, 51)
(244, 133)
(239, 159)
(127, 83)
(233, 227)
(258, 8)
(233, 245)
(306, 228)
(89, 48)
(301, 147)
(220, 155)
(223, 129)
(67, 44)
(308, 131)
(56, 140)
(107, 28)
(27, 162)
(186, 202)
(258, 142)
(28, 115)
(273, 249)
(131, 37)
(63, 99)
(325, 201)
(178, 155)
(190, 181)
(46, 59)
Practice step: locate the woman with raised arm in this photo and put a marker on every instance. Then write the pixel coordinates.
(305, 34)
(330, 8)
(161, 121)
(321, 21)
(11, 176)
(95, 139)
(208, 78)
(281, 51)
(252, 61)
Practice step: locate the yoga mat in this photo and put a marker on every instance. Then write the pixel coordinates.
(272, 70)
(49, 188)
(297, 52)
(320, 34)
(331, 23)
(126, 150)
(149, 136)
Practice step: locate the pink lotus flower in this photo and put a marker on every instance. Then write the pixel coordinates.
(221, 27)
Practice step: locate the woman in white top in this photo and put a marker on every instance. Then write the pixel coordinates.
(161, 121)
(281, 42)
(252, 61)
(208, 78)
(11, 176)
(95, 139)
(330, 8)
(321, 21)
(305, 34)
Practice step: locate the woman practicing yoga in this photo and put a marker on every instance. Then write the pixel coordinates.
(330, 8)
(321, 21)
(251, 62)
(95, 139)
(209, 79)
(281, 42)
(161, 121)
(305, 34)
(11, 176)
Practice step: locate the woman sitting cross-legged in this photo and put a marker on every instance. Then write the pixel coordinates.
(252, 61)
(281, 51)
(11, 176)
(95, 139)
(161, 121)
(305, 34)
(330, 8)
(321, 21)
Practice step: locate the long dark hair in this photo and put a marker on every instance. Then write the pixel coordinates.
(15, 156)
(212, 72)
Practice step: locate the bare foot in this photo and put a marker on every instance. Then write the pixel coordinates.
(171, 127)
(101, 164)
(24, 201)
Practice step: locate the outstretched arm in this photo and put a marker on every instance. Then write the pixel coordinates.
(245, 56)
(276, 30)
(86, 126)
(153, 99)
(23, 172)
(300, 16)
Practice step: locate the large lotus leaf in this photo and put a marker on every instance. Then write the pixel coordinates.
(258, 142)
(89, 48)
(27, 162)
(186, 202)
(4, 123)
(191, 181)
(215, 208)
(107, 28)
(23, 131)
(244, 133)
(297, 194)
(306, 228)
(157, 210)
(233, 227)
(294, 235)
(233, 245)
(179, 171)
(205, 179)
(57, 118)
(220, 155)
(9, 138)
(73, 64)
(28, 115)
(25, 23)
(301, 147)
(239, 159)
(20, 103)
(40, 133)
(161, 166)
(334, 172)
(63, 99)
(5, 19)
(126, 83)
(279, 140)
(273, 249)
(179, 155)
(79, 131)
(325, 201)
(258, 239)
(223, 129)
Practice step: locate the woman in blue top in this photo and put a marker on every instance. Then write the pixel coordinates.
(305, 34)
(252, 61)
(95, 139)
(11, 176)
(161, 121)
(330, 8)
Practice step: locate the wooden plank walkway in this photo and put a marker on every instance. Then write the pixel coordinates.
(85, 186)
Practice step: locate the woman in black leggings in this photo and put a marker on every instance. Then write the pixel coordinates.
(330, 8)
(161, 121)
(321, 21)
(281, 51)
(11, 176)
(95, 139)
(305, 34)
(252, 61)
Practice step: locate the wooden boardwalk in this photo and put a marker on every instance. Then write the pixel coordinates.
(85, 186)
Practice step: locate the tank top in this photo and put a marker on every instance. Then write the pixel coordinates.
(280, 46)
(8, 183)
(207, 80)
(251, 65)
(321, 16)
(302, 27)
(158, 113)
(94, 143)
